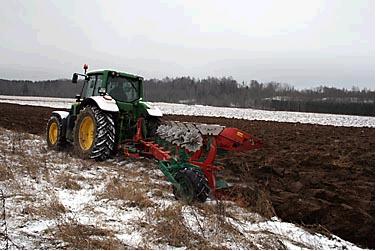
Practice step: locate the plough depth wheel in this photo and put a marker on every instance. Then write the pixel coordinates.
(193, 185)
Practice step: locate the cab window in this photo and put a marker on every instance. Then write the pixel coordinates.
(123, 89)
(98, 85)
(89, 87)
(92, 86)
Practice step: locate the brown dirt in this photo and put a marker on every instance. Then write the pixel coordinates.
(322, 176)
(23, 118)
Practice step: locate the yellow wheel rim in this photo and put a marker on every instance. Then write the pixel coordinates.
(86, 134)
(52, 133)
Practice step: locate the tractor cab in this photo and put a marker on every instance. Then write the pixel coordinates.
(117, 94)
(121, 86)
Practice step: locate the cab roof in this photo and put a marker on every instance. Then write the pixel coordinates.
(122, 73)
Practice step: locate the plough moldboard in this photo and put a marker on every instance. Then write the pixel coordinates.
(186, 154)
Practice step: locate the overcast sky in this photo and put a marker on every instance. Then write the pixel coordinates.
(303, 43)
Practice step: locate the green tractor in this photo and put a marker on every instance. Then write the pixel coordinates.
(104, 115)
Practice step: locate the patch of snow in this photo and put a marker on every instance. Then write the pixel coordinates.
(75, 200)
(38, 226)
(291, 233)
(132, 238)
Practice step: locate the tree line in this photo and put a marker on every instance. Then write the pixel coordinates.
(222, 92)
(60, 88)
(270, 96)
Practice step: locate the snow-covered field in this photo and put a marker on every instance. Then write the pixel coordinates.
(200, 110)
(53, 200)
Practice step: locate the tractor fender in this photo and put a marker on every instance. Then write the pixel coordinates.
(153, 110)
(108, 105)
(62, 114)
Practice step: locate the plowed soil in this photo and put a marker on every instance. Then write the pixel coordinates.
(319, 176)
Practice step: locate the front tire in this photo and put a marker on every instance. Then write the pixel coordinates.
(94, 134)
(55, 134)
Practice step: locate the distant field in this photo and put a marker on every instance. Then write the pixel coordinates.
(226, 112)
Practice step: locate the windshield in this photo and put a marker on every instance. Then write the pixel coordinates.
(123, 89)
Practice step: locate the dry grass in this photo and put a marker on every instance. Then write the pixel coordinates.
(253, 198)
(67, 181)
(51, 210)
(85, 164)
(264, 205)
(79, 236)
(17, 149)
(16, 143)
(316, 228)
(157, 192)
(171, 229)
(45, 170)
(32, 167)
(218, 227)
(27, 166)
(5, 173)
(134, 192)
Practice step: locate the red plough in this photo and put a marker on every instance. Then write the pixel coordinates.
(199, 166)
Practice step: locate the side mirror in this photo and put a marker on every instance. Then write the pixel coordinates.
(74, 78)
(78, 97)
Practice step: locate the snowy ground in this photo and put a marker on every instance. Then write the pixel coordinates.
(54, 200)
(200, 110)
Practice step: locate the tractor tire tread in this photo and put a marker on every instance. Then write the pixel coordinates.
(104, 141)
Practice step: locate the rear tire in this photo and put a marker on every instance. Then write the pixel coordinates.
(94, 134)
(55, 134)
(194, 186)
